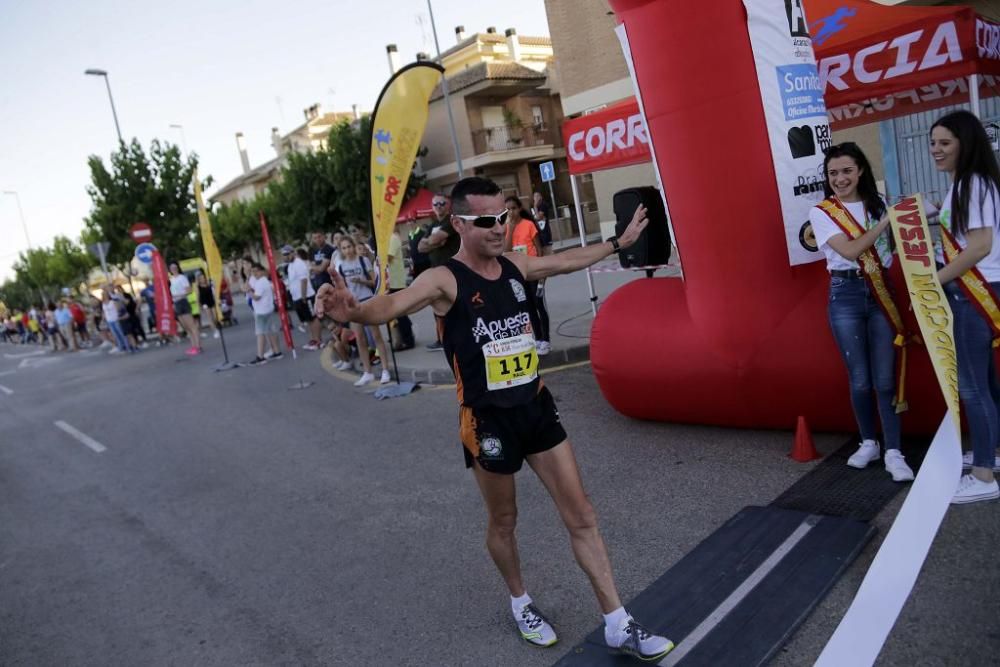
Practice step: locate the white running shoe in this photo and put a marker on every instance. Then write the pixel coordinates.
(867, 452)
(972, 490)
(342, 366)
(534, 628)
(216, 334)
(895, 465)
(386, 378)
(635, 640)
(364, 379)
(967, 462)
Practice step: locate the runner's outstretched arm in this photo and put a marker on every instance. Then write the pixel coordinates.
(338, 302)
(535, 268)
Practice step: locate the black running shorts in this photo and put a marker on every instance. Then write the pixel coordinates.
(499, 439)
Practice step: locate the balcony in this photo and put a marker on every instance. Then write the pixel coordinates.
(506, 138)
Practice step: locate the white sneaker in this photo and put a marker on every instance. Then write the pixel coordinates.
(114, 350)
(542, 348)
(895, 465)
(204, 334)
(269, 354)
(972, 490)
(342, 366)
(364, 379)
(635, 640)
(534, 628)
(867, 452)
(386, 378)
(216, 334)
(967, 462)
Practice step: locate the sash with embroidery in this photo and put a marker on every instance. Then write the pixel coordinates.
(874, 273)
(975, 286)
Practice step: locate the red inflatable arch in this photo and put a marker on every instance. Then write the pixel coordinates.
(743, 339)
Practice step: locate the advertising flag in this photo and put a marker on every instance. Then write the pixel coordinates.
(212, 257)
(792, 96)
(279, 293)
(165, 322)
(397, 126)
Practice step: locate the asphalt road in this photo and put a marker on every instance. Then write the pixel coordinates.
(231, 521)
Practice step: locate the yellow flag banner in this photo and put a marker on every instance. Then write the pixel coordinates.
(212, 257)
(862, 632)
(397, 126)
(916, 256)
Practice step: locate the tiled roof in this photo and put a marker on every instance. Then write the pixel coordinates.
(503, 71)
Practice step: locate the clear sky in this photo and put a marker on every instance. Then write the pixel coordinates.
(214, 67)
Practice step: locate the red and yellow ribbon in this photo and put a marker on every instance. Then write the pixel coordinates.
(874, 274)
(975, 286)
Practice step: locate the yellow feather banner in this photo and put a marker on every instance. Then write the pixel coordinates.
(212, 257)
(397, 126)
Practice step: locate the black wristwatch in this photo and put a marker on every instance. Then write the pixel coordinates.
(615, 247)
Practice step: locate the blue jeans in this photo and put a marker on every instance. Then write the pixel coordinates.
(865, 337)
(978, 386)
(116, 329)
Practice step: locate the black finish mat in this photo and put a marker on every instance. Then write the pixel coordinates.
(835, 489)
(756, 625)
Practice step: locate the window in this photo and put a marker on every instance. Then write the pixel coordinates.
(537, 118)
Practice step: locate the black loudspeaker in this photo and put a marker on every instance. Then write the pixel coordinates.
(653, 246)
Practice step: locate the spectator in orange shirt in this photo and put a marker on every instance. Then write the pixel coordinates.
(523, 237)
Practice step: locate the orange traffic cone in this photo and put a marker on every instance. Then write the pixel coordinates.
(804, 450)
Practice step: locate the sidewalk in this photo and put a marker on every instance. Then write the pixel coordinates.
(570, 318)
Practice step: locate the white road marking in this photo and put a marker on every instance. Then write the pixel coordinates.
(24, 354)
(6, 390)
(35, 363)
(688, 644)
(82, 437)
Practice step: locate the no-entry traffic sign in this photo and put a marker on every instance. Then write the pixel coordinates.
(140, 232)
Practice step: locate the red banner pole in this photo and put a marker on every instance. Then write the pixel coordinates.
(279, 293)
(166, 324)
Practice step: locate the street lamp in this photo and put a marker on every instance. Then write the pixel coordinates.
(24, 225)
(101, 72)
(176, 126)
(21, 213)
(444, 90)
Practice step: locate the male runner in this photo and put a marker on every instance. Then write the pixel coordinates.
(507, 416)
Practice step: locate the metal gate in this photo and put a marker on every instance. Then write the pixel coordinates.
(917, 172)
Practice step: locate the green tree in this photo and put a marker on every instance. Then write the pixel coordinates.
(17, 294)
(306, 197)
(68, 263)
(237, 226)
(154, 188)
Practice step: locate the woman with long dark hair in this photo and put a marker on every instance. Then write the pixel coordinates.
(971, 279)
(851, 229)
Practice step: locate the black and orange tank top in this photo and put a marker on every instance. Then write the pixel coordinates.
(488, 339)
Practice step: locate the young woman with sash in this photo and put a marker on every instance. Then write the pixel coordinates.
(851, 228)
(970, 255)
